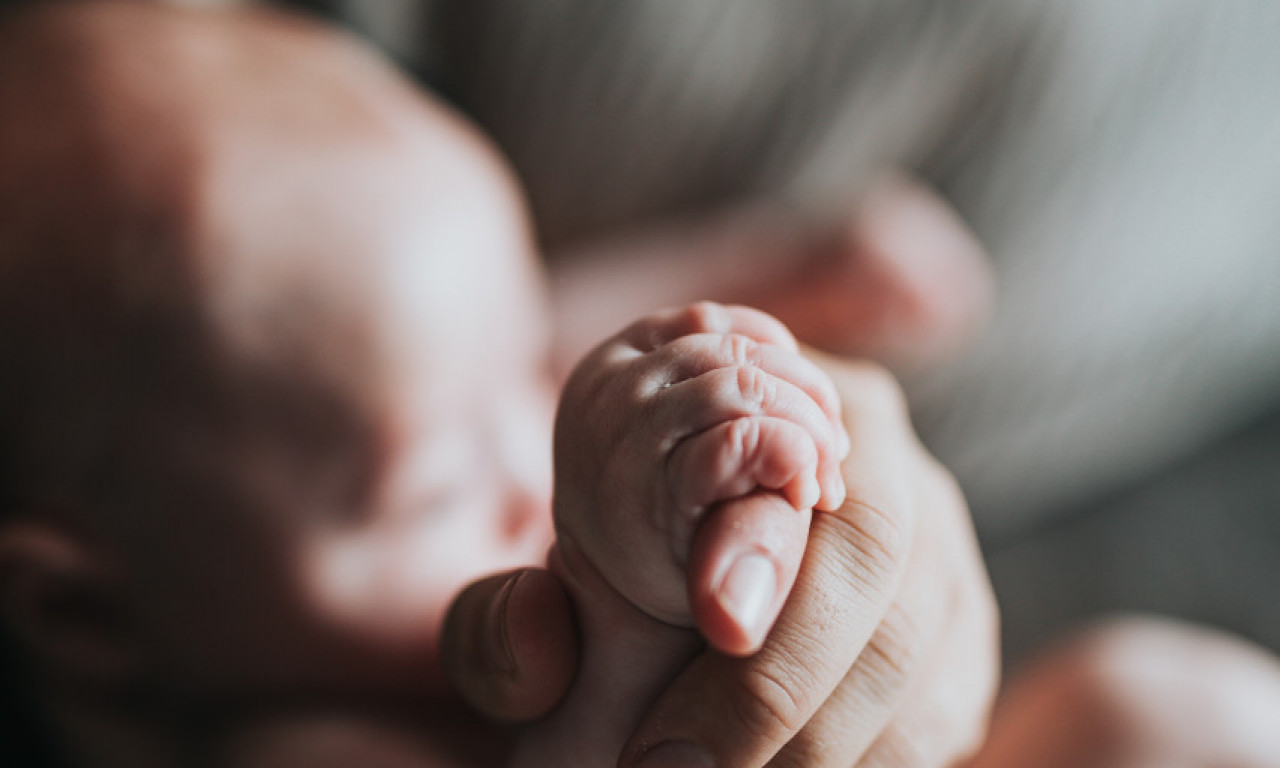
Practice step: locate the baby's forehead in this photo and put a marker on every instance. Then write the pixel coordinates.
(164, 104)
(259, 185)
(270, 155)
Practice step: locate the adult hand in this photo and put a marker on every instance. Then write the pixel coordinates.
(885, 654)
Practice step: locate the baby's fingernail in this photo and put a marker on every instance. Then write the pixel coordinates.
(747, 591)
(810, 492)
(845, 444)
(677, 754)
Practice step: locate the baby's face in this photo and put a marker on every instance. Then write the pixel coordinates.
(386, 291)
(461, 479)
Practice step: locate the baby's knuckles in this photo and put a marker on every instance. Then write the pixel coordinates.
(707, 317)
(742, 443)
(755, 388)
(609, 466)
(739, 350)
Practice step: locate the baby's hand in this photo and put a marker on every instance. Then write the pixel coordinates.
(680, 411)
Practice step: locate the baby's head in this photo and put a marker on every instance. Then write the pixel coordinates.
(272, 347)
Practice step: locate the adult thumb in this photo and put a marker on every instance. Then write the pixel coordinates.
(510, 644)
(904, 282)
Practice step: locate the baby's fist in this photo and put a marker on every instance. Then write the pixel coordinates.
(682, 410)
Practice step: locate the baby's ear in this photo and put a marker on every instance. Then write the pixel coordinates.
(61, 606)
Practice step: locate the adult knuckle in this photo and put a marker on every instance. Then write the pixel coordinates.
(878, 542)
(897, 748)
(806, 750)
(766, 706)
(939, 729)
(892, 655)
(809, 749)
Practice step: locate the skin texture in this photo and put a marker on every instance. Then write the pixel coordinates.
(308, 441)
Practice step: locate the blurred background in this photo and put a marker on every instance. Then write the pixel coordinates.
(1116, 421)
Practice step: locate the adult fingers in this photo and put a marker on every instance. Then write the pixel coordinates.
(866, 700)
(905, 282)
(667, 325)
(510, 644)
(920, 693)
(741, 712)
(943, 718)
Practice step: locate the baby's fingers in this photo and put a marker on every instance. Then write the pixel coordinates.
(690, 356)
(726, 394)
(736, 457)
(742, 564)
(706, 317)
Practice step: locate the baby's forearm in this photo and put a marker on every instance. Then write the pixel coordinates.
(628, 659)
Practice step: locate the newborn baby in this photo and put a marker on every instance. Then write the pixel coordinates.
(276, 389)
(275, 385)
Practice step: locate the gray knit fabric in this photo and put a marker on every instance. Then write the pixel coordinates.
(1120, 160)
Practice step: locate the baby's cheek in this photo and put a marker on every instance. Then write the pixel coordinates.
(523, 443)
(524, 464)
(380, 588)
(393, 581)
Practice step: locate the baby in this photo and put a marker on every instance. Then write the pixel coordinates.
(276, 388)
(273, 388)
